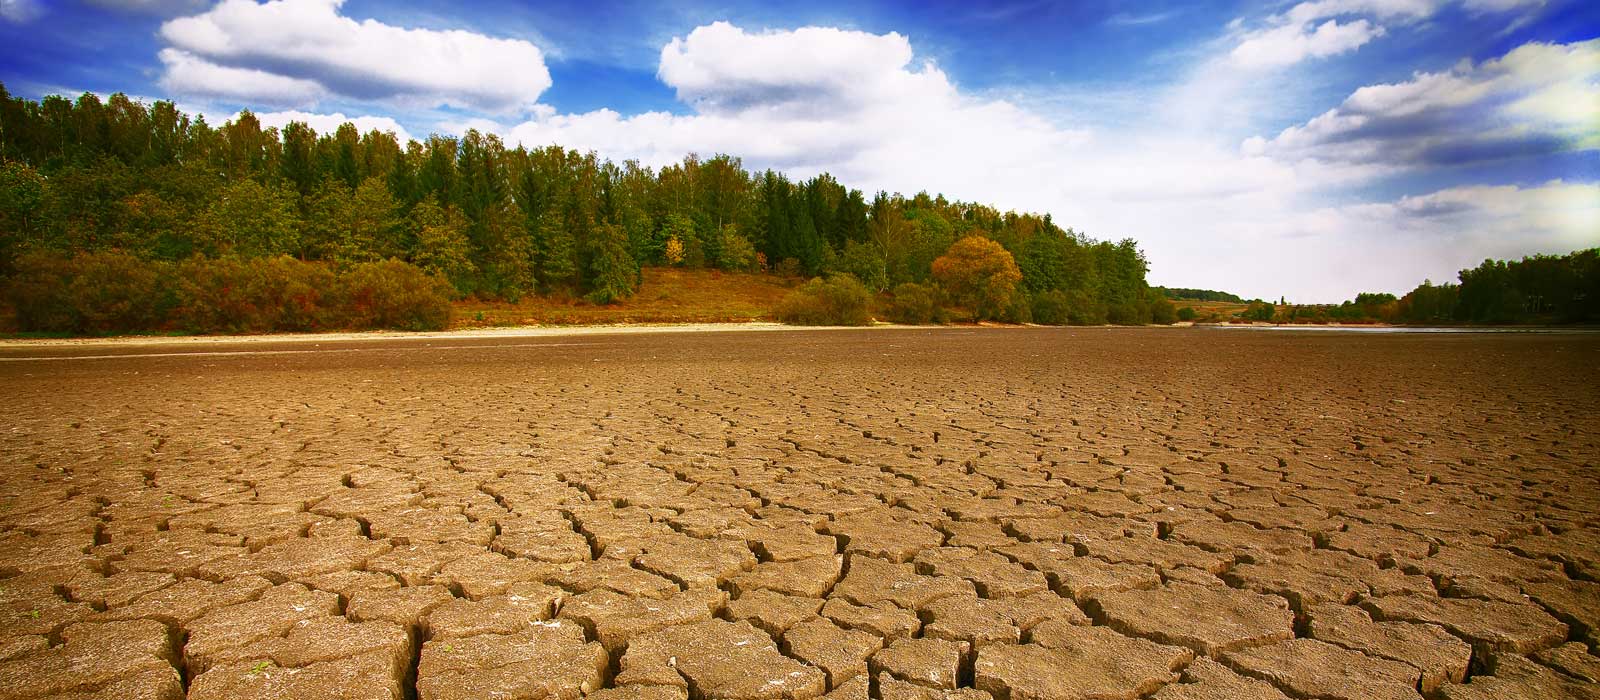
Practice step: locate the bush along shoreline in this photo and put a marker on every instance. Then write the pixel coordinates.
(111, 292)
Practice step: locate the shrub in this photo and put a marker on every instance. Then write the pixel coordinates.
(116, 292)
(1127, 313)
(915, 304)
(1051, 308)
(394, 294)
(1084, 310)
(261, 295)
(37, 289)
(213, 297)
(104, 292)
(112, 292)
(292, 295)
(1187, 313)
(839, 300)
(1162, 310)
(1020, 310)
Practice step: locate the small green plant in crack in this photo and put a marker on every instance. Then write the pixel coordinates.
(33, 614)
(447, 648)
(260, 667)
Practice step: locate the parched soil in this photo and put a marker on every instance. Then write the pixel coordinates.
(900, 514)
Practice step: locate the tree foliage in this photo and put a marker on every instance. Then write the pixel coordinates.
(498, 222)
(978, 273)
(837, 300)
(1538, 289)
(115, 292)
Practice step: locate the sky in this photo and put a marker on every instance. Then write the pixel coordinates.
(1305, 150)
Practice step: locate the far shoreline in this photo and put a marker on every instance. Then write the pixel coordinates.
(556, 331)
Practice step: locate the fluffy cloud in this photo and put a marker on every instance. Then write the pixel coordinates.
(721, 68)
(1314, 30)
(328, 123)
(853, 103)
(187, 74)
(1292, 43)
(1537, 99)
(308, 43)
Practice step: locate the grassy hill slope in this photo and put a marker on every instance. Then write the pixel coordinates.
(667, 295)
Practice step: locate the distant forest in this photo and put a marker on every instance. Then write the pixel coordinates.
(117, 215)
(1539, 289)
(1185, 294)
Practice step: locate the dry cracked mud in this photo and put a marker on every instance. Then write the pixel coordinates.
(1015, 514)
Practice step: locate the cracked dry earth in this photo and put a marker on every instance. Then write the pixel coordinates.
(900, 514)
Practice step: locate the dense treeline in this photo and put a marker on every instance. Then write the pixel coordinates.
(1536, 289)
(147, 181)
(1186, 294)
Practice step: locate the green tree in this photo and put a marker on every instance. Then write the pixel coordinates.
(738, 253)
(22, 190)
(613, 273)
(1259, 311)
(865, 261)
(250, 219)
(441, 247)
(558, 255)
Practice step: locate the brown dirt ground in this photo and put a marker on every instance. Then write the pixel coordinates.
(940, 513)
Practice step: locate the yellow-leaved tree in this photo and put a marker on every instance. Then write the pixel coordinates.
(978, 273)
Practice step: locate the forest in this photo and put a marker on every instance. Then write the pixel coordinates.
(1538, 289)
(1187, 294)
(116, 215)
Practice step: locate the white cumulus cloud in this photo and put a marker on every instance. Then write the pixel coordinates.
(328, 123)
(722, 68)
(1292, 43)
(1324, 28)
(1537, 99)
(814, 99)
(187, 74)
(308, 42)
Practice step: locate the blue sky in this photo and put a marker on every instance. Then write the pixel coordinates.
(1309, 150)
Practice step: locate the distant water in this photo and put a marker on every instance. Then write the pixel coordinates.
(1405, 329)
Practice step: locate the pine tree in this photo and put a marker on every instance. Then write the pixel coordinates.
(613, 273)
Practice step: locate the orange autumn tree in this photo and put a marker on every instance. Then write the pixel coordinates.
(978, 273)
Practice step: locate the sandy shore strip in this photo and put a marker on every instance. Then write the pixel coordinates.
(512, 332)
